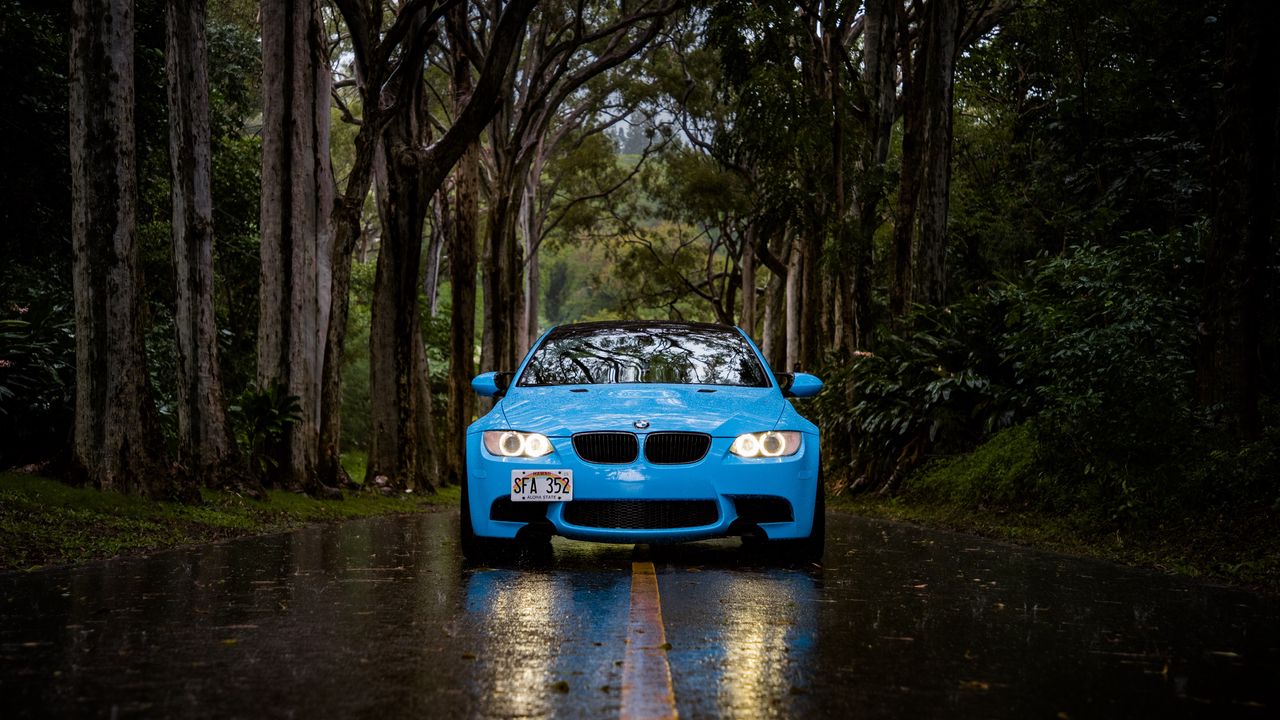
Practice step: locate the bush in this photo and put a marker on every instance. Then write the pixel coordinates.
(1095, 345)
(37, 375)
(941, 384)
(262, 419)
(1104, 340)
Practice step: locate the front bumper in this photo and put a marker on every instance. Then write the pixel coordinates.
(732, 483)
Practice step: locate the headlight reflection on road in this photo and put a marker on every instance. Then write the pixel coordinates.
(767, 631)
(521, 612)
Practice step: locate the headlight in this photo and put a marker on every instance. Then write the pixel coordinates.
(766, 444)
(509, 443)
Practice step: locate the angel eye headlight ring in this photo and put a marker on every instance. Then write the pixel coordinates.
(512, 443)
(770, 444)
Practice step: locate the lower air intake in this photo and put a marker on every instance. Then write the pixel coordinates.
(763, 509)
(641, 514)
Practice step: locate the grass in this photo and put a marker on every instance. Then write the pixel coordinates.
(355, 463)
(45, 522)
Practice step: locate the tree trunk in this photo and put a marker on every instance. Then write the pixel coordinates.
(791, 360)
(904, 225)
(879, 88)
(809, 296)
(462, 268)
(462, 273)
(116, 442)
(775, 338)
(840, 335)
(529, 308)
(435, 248)
(501, 285)
(1245, 195)
(930, 252)
(297, 241)
(531, 230)
(205, 447)
(920, 233)
(748, 319)
(400, 448)
(347, 214)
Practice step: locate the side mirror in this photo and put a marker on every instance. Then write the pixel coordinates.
(802, 385)
(491, 384)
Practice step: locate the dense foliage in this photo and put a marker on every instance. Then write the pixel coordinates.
(1080, 221)
(1092, 346)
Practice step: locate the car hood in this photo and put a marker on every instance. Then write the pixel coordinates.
(563, 410)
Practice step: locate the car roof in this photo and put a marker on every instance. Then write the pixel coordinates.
(595, 326)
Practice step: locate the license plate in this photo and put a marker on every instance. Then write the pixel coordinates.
(541, 485)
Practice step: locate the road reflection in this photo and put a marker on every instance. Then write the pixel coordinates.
(771, 624)
(743, 648)
(549, 632)
(521, 612)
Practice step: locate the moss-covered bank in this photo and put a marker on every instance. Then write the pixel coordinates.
(1004, 489)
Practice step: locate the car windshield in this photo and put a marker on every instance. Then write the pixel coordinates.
(683, 354)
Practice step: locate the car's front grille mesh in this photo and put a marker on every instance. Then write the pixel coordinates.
(641, 514)
(675, 448)
(614, 448)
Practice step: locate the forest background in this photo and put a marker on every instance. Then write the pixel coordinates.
(1029, 245)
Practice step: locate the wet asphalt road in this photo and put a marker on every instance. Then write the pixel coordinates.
(381, 619)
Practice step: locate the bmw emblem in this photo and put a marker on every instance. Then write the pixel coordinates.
(641, 424)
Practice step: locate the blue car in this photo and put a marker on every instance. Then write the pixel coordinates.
(644, 432)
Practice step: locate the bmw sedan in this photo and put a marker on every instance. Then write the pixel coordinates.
(644, 432)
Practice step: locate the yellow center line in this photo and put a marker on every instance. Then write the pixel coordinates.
(646, 676)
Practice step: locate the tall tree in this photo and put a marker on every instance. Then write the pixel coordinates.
(205, 446)
(463, 234)
(568, 45)
(393, 62)
(920, 231)
(401, 440)
(374, 49)
(879, 93)
(297, 237)
(549, 193)
(945, 28)
(1242, 237)
(116, 443)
